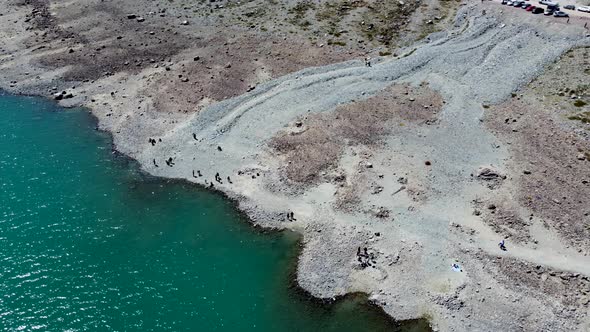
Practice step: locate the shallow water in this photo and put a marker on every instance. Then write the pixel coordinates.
(87, 242)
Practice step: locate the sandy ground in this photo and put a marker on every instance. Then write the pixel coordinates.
(392, 172)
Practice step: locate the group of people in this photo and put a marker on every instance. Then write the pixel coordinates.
(365, 258)
(170, 162)
(218, 178)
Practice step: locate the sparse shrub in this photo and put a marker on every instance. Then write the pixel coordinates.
(336, 42)
(583, 117)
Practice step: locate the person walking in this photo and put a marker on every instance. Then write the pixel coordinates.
(502, 245)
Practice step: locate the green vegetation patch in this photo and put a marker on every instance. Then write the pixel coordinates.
(298, 13)
(336, 42)
(332, 13)
(384, 20)
(584, 117)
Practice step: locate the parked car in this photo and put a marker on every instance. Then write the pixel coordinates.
(531, 8)
(538, 10)
(526, 5)
(551, 9)
(547, 2)
(570, 7)
(560, 14)
(585, 9)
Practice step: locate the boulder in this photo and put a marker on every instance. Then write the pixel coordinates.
(488, 173)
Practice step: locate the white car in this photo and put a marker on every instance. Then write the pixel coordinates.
(585, 9)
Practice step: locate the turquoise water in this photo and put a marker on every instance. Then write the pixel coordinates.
(89, 243)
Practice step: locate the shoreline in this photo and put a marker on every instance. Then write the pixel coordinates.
(134, 184)
(298, 293)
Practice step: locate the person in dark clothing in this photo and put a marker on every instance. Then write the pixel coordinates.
(502, 245)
